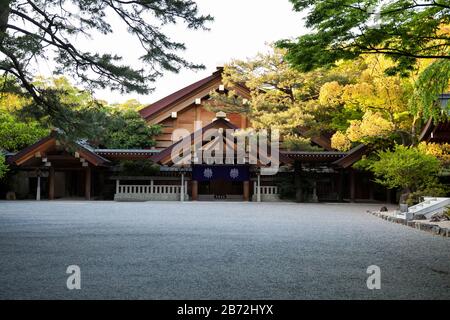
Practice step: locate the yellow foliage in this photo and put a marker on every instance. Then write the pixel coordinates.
(373, 125)
(376, 90)
(10, 102)
(354, 132)
(440, 151)
(340, 141)
(330, 94)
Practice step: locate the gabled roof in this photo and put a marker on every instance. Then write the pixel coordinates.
(49, 141)
(321, 140)
(167, 102)
(168, 151)
(31, 149)
(188, 94)
(352, 156)
(436, 132)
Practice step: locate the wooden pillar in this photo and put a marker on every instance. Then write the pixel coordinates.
(194, 187)
(315, 198)
(38, 188)
(87, 183)
(352, 185)
(298, 181)
(182, 191)
(246, 190)
(101, 183)
(51, 183)
(258, 192)
(341, 185)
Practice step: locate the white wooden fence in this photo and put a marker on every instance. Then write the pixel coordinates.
(148, 189)
(156, 192)
(267, 193)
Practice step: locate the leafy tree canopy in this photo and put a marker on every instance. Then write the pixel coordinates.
(16, 134)
(433, 81)
(405, 30)
(125, 129)
(284, 98)
(355, 100)
(37, 30)
(383, 101)
(116, 126)
(405, 167)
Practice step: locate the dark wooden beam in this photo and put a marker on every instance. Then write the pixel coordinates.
(246, 190)
(298, 182)
(87, 183)
(352, 185)
(341, 183)
(51, 183)
(194, 188)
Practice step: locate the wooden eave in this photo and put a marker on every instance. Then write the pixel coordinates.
(181, 99)
(436, 132)
(353, 156)
(43, 145)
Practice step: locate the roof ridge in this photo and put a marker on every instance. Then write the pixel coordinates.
(166, 101)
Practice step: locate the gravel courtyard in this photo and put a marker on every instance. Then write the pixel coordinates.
(206, 250)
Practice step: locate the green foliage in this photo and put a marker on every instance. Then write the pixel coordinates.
(356, 101)
(16, 134)
(447, 212)
(80, 116)
(277, 91)
(31, 30)
(47, 32)
(432, 82)
(286, 99)
(3, 166)
(405, 30)
(286, 187)
(229, 103)
(125, 129)
(366, 161)
(75, 112)
(297, 143)
(131, 104)
(436, 190)
(138, 168)
(405, 167)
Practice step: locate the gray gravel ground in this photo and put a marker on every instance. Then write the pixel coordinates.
(205, 250)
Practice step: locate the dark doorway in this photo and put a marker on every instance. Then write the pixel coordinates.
(74, 184)
(220, 190)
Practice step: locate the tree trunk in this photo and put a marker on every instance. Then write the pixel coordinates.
(4, 15)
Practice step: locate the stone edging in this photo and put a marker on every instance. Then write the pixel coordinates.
(432, 228)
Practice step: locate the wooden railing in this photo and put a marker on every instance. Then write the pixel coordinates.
(265, 189)
(149, 189)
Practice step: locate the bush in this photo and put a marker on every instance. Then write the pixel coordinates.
(431, 191)
(447, 212)
(286, 187)
(406, 167)
(3, 166)
(138, 168)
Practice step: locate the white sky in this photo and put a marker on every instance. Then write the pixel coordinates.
(241, 29)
